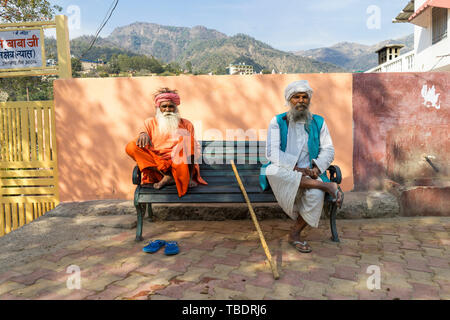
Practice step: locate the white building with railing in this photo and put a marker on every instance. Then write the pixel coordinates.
(403, 63)
(431, 19)
(241, 68)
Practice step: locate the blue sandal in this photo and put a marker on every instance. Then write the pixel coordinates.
(171, 248)
(154, 246)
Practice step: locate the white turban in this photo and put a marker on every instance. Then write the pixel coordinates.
(295, 87)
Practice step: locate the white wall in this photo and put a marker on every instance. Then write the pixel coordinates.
(418, 4)
(426, 53)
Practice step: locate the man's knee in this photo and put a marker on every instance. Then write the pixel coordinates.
(314, 194)
(131, 148)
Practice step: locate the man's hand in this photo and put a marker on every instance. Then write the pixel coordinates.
(313, 173)
(304, 171)
(143, 140)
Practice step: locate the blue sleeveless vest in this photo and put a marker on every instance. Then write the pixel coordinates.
(313, 144)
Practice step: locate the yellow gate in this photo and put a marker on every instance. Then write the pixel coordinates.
(28, 164)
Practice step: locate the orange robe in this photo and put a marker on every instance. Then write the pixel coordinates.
(167, 153)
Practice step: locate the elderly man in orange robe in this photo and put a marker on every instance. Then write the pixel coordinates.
(166, 149)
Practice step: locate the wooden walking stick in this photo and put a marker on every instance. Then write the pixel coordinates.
(255, 221)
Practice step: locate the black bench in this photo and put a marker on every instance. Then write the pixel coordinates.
(222, 184)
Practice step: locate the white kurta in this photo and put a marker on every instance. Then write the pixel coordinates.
(282, 178)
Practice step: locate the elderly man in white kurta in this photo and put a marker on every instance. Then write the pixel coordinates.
(300, 149)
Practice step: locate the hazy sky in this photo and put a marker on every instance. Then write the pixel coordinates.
(288, 25)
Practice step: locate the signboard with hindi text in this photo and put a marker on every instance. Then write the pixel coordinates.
(22, 49)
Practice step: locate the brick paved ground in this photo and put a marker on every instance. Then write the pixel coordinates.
(224, 260)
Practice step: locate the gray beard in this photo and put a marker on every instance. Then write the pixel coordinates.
(167, 122)
(299, 116)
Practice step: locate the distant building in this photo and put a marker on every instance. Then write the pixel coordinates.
(431, 19)
(89, 65)
(240, 68)
(388, 52)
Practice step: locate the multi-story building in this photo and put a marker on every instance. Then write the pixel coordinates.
(431, 19)
(240, 68)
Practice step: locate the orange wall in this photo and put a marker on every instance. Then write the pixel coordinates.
(95, 118)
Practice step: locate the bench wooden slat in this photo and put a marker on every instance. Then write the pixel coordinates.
(228, 154)
(222, 162)
(205, 198)
(217, 189)
(227, 167)
(246, 144)
(239, 161)
(253, 157)
(241, 151)
(224, 180)
(215, 173)
(247, 180)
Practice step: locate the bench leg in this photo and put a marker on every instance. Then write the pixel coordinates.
(149, 211)
(334, 234)
(140, 220)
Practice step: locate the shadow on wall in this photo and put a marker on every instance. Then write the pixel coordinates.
(86, 144)
(96, 118)
(369, 97)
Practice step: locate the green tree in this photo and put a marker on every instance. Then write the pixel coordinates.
(220, 71)
(189, 66)
(124, 62)
(167, 73)
(143, 64)
(173, 67)
(24, 88)
(155, 66)
(76, 66)
(27, 10)
(113, 65)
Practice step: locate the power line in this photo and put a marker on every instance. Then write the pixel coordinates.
(105, 20)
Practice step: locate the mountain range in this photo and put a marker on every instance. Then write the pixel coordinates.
(209, 50)
(206, 49)
(354, 56)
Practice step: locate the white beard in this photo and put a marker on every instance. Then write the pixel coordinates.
(301, 116)
(167, 122)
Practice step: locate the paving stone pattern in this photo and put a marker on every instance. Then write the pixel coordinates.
(225, 260)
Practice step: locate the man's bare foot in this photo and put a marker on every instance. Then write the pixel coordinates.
(335, 193)
(192, 184)
(165, 181)
(301, 246)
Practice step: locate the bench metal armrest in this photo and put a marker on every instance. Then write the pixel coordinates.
(335, 174)
(136, 175)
